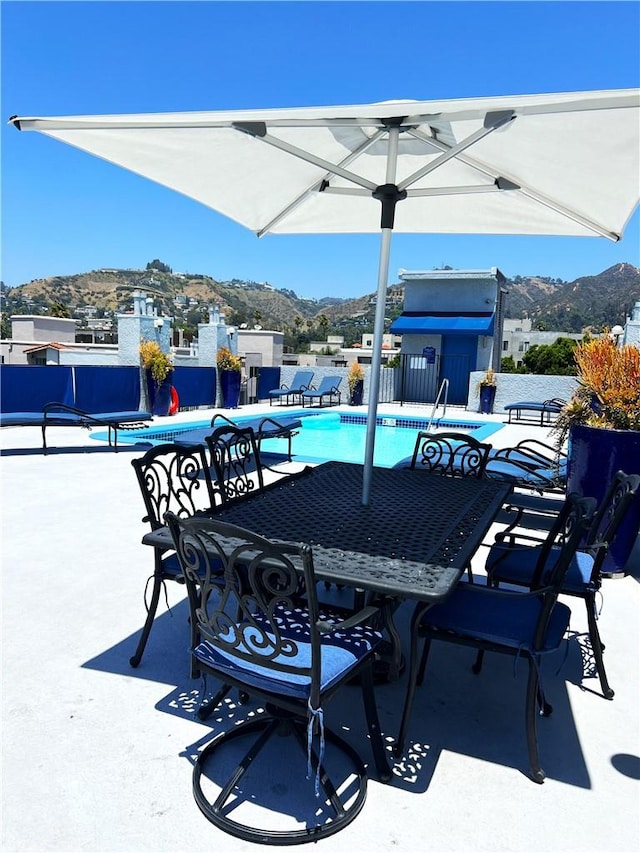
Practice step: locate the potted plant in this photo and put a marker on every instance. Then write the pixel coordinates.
(487, 391)
(602, 424)
(355, 381)
(229, 368)
(158, 367)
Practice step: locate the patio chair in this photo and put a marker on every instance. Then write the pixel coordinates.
(235, 460)
(292, 657)
(450, 454)
(454, 454)
(528, 625)
(176, 479)
(300, 382)
(513, 563)
(329, 387)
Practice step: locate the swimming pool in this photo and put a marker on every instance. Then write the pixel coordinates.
(330, 435)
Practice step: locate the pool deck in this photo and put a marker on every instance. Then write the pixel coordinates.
(98, 756)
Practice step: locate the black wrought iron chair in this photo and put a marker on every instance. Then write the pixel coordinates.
(514, 563)
(235, 460)
(292, 657)
(454, 454)
(528, 625)
(451, 454)
(176, 479)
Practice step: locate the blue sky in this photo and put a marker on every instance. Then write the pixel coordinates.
(65, 212)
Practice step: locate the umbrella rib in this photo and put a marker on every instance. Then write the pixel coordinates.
(492, 122)
(308, 157)
(318, 185)
(512, 183)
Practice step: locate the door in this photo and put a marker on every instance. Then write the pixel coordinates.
(458, 359)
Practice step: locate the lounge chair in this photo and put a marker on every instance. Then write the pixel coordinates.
(263, 428)
(60, 414)
(301, 381)
(530, 464)
(328, 387)
(546, 409)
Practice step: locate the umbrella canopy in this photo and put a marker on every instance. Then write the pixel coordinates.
(565, 164)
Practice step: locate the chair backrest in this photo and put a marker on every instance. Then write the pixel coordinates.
(235, 459)
(609, 516)
(563, 540)
(454, 454)
(556, 554)
(328, 385)
(173, 479)
(301, 380)
(257, 619)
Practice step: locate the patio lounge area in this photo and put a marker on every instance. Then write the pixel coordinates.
(98, 756)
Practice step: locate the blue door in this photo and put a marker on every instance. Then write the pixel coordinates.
(458, 359)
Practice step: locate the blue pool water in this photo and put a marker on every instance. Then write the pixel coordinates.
(331, 435)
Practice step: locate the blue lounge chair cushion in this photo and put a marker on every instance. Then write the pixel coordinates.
(516, 564)
(341, 651)
(536, 406)
(509, 619)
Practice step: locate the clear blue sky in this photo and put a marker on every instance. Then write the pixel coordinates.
(65, 212)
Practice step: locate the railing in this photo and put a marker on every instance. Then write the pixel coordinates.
(444, 387)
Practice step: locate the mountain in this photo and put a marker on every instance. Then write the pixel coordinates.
(588, 302)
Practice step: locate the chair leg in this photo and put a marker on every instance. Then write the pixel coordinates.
(477, 666)
(596, 645)
(537, 773)
(423, 661)
(373, 723)
(151, 615)
(413, 677)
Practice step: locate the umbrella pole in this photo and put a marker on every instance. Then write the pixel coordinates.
(388, 195)
(376, 361)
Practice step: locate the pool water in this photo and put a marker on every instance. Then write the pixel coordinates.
(330, 436)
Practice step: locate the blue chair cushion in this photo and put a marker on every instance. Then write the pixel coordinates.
(516, 564)
(341, 651)
(171, 567)
(507, 618)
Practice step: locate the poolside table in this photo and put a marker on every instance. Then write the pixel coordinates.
(413, 541)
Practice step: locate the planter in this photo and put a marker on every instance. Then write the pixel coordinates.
(356, 394)
(230, 388)
(595, 455)
(487, 396)
(159, 394)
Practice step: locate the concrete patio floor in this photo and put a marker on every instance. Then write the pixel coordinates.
(98, 756)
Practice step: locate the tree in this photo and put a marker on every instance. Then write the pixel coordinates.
(156, 264)
(59, 309)
(552, 359)
(5, 326)
(508, 365)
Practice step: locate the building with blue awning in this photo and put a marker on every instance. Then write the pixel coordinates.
(451, 325)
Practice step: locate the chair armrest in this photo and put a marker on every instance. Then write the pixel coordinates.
(367, 614)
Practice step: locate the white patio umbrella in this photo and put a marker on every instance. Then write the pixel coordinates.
(564, 164)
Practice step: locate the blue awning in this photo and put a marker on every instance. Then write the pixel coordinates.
(443, 323)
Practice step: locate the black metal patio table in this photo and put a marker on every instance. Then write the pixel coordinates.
(413, 540)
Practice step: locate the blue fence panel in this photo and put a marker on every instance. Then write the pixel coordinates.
(268, 380)
(196, 386)
(29, 387)
(107, 389)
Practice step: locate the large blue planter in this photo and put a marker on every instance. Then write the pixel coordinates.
(487, 396)
(230, 388)
(159, 394)
(357, 393)
(595, 455)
